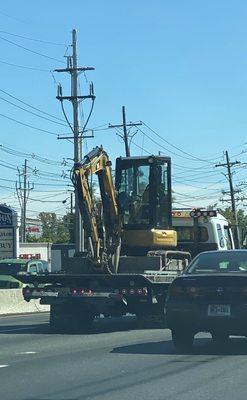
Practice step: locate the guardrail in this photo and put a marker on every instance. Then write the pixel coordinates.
(12, 302)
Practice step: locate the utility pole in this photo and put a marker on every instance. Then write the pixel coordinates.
(71, 203)
(125, 133)
(25, 201)
(78, 136)
(23, 191)
(232, 192)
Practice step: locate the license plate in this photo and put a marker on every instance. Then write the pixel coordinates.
(219, 310)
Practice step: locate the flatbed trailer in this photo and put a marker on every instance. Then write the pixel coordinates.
(76, 299)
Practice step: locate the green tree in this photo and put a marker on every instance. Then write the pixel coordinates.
(242, 220)
(54, 229)
(69, 223)
(32, 239)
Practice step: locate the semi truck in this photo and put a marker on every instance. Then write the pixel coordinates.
(132, 254)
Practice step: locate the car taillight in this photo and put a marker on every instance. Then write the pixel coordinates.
(176, 292)
(193, 291)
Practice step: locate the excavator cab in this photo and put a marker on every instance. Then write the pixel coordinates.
(143, 187)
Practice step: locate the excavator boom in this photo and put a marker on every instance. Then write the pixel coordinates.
(103, 238)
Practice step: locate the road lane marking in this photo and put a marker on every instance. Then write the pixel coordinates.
(3, 366)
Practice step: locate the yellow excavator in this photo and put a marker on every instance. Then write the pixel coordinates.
(131, 254)
(136, 211)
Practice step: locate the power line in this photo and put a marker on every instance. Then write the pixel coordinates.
(175, 147)
(29, 105)
(34, 40)
(36, 157)
(31, 51)
(31, 112)
(160, 146)
(192, 157)
(46, 201)
(24, 66)
(29, 126)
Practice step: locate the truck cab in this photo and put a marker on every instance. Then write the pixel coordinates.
(201, 230)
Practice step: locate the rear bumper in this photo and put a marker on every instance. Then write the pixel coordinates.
(105, 303)
(195, 317)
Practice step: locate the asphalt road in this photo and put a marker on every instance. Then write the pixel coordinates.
(116, 361)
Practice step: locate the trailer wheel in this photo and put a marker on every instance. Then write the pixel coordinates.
(220, 338)
(69, 319)
(57, 318)
(182, 339)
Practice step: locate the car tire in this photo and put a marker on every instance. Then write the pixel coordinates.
(182, 339)
(69, 319)
(220, 338)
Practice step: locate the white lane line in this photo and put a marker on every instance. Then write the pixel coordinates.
(3, 366)
(17, 329)
(26, 352)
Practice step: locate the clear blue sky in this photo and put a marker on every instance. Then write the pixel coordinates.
(179, 66)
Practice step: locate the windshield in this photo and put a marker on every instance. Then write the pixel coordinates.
(144, 193)
(219, 262)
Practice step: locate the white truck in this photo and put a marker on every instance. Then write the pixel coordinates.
(201, 230)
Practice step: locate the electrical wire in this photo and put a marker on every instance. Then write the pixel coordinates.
(17, 153)
(24, 66)
(31, 112)
(46, 201)
(29, 126)
(34, 40)
(29, 105)
(89, 116)
(172, 145)
(65, 116)
(31, 51)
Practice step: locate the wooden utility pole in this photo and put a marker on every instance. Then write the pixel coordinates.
(232, 192)
(78, 136)
(24, 200)
(125, 133)
(23, 189)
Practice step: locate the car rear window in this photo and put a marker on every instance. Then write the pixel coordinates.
(219, 262)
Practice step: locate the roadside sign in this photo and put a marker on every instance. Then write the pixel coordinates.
(9, 228)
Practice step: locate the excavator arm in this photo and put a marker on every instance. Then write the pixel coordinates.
(104, 238)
